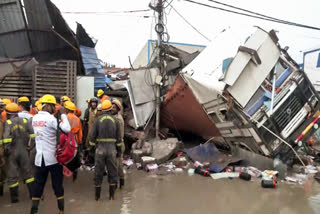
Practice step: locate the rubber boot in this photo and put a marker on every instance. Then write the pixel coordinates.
(1, 190)
(112, 189)
(121, 181)
(30, 189)
(14, 193)
(61, 205)
(98, 192)
(35, 205)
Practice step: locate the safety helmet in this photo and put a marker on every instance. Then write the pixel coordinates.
(106, 105)
(99, 108)
(23, 99)
(88, 100)
(48, 98)
(100, 93)
(65, 98)
(94, 99)
(6, 101)
(39, 107)
(12, 108)
(70, 105)
(117, 103)
(38, 102)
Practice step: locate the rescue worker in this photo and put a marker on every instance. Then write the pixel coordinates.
(33, 110)
(17, 132)
(24, 104)
(99, 110)
(76, 127)
(105, 137)
(64, 99)
(116, 110)
(102, 96)
(91, 119)
(45, 127)
(4, 113)
(85, 122)
(2, 157)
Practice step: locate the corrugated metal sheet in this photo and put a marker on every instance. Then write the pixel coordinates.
(11, 16)
(99, 83)
(11, 19)
(91, 63)
(37, 15)
(182, 111)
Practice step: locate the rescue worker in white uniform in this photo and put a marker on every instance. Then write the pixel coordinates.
(45, 127)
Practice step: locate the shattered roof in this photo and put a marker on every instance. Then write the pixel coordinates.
(40, 32)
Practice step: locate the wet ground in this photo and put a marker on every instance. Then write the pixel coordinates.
(178, 193)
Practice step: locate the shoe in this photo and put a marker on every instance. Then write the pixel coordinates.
(35, 205)
(14, 193)
(61, 205)
(121, 182)
(98, 192)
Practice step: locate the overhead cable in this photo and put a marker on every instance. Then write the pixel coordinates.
(255, 16)
(190, 24)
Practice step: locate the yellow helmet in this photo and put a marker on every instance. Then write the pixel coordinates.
(38, 102)
(65, 98)
(39, 107)
(100, 93)
(48, 98)
(12, 108)
(117, 103)
(106, 105)
(70, 105)
(6, 101)
(23, 99)
(88, 100)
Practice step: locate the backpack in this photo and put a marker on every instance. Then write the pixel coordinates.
(67, 149)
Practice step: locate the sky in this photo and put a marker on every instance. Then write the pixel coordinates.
(121, 35)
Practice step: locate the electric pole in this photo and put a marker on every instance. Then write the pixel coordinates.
(159, 28)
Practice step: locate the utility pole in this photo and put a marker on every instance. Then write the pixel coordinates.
(160, 59)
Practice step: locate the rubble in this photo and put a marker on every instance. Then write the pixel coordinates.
(164, 149)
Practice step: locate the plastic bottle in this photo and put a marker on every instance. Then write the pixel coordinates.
(244, 176)
(202, 172)
(268, 183)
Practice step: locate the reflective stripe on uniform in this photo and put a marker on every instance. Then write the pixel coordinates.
(35, 199)
(28, 181)
(32, 135)
(107, 140)
(9, 122)
(7, 140)
(14, 185)
(91, 143)
(61, 197)
(120, 144)
(25, 120)
(106, 117)
(1, 141)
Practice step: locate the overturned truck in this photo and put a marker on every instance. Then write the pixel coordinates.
(266, 100)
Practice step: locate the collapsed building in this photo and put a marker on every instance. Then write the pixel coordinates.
(259, 100)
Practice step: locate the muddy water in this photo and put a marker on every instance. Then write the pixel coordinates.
(179, 193)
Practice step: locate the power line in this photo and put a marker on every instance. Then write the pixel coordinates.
(105, 12)
(190, 24)
(254, 16)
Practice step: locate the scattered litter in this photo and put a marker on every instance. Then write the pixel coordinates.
(268, 183)
(178, 170)
(220, 175)
(151, 167)
(190, 171)
(245, 176)
(128, 162)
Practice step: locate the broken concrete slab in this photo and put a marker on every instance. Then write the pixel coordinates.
(164, 149)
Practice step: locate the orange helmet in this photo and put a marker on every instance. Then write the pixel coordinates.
(12, 108)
